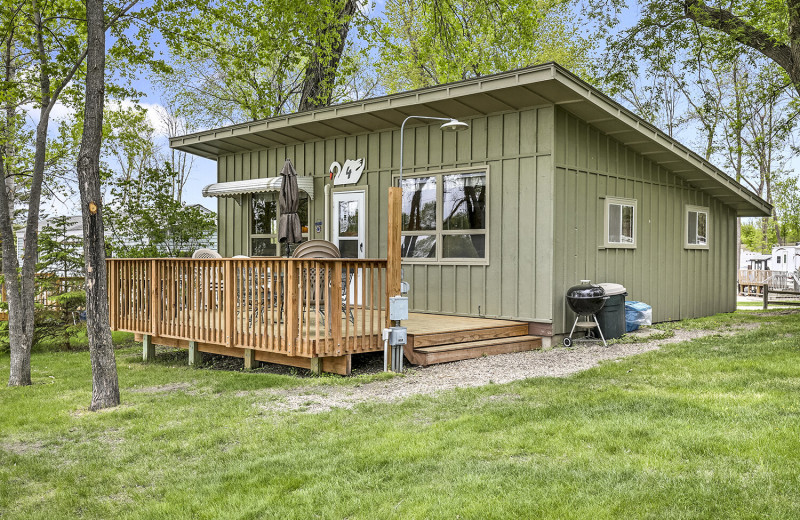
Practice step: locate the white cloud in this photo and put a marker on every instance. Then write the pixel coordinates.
(154, 112)
(59, 112)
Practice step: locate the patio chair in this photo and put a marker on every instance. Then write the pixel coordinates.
(319, 249)
(206, 253)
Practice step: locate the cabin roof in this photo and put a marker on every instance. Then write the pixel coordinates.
(549, 83)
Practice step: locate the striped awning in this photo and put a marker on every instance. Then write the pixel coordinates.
(239, 188)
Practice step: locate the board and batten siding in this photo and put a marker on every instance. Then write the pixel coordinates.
(679, 283)
(516, 146)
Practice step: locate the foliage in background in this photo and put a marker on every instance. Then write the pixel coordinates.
(425, 43)
(238, 61)
(719, 75)
(59, 282)
(150, 221)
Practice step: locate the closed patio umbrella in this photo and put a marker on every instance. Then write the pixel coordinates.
(289, 225)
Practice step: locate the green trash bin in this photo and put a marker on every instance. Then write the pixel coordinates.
(612, 316)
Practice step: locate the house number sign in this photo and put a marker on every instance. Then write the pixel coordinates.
(347, 174)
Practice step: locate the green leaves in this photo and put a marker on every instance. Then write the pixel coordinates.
(427, 43)
(237, 61)
(148, 220)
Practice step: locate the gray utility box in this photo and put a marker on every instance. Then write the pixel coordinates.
(398, 308)
(398, 336)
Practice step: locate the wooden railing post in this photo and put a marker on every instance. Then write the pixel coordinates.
(155, 298)
(230, 298)
(393, 237)
(335, 309)
(291, 306)
(112, 294)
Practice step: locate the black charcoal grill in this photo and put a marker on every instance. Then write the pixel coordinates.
(586, 300)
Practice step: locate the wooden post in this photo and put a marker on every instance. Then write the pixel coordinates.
(291, 305)
(148, 349)
(316, 365)
(765, 291)
(155, 299)
(393, 259)
(195, 356)
(230, 303)
(249, 359)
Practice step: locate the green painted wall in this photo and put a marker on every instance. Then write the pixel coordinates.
(517, 147)
(679, 283)
(548, 174)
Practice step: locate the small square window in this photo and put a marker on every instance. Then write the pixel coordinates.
(696, 227)
(620, 222)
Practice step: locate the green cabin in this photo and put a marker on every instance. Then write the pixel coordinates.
(552, 182)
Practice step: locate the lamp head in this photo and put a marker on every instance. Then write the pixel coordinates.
(454, 125)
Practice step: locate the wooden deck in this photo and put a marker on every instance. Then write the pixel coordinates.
(752, 281)
(432, 338)
(308, 313)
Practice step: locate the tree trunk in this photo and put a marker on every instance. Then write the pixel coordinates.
(320, 74)
(105, 385)
(21, 290)
(20, 362)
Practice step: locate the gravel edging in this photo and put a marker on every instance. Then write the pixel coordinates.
(504, 368)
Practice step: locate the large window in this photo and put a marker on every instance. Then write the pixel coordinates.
(696, 227)
(265, 218)
(444, 217)
(620, 219)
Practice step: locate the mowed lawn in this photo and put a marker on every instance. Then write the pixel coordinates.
(705, 429)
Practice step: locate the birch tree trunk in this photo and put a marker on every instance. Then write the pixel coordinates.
(105, 385)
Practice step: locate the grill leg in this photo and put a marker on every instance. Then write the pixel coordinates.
(573, 326)
(600, 330)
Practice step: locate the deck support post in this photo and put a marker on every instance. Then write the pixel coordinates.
(393, 252)
(249, 359)
(148, 349)
(316, 365)
(195, 356)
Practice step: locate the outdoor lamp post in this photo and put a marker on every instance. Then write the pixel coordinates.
(395, 336)
(450, 125)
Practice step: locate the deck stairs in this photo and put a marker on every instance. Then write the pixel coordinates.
(442, 347)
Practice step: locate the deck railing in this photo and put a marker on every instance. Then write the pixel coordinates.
(776, 280)
(295, 307)
(47, 287)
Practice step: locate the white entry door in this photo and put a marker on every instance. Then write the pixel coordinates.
(349, 223)
(349, 233)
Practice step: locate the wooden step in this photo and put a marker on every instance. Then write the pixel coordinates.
(468, 335)
(474, 349)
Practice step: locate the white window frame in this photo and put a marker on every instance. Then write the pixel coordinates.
(618, 201)
(439, 232)
(305, 235)
(697, 209)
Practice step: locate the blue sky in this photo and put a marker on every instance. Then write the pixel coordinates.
(204, 170)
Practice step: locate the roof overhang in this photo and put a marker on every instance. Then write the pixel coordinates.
(534, 86)
(236, 189)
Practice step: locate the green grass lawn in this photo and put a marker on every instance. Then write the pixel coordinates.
(706, 429)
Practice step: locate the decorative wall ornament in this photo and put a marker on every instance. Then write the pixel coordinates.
(347, 174)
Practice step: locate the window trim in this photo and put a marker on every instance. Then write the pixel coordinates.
(697, 209)
(622, 202)
(439, 232)
(252, 235)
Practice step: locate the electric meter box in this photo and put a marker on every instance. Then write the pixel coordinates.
(398, 308)
(398, 336)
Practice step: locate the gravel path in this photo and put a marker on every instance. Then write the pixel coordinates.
(554, 362)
